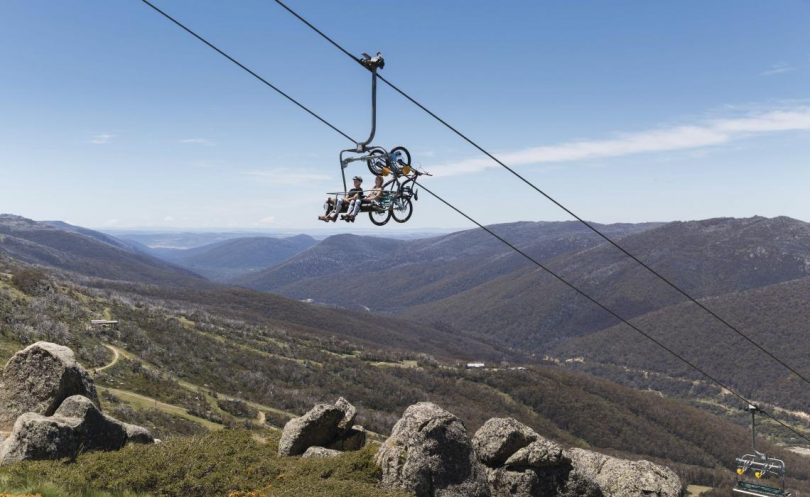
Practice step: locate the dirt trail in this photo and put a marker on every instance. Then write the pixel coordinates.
(116, 357)
(260, 419)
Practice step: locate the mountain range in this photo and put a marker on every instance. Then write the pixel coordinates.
(232, 259)
(90, 253)
(753, 270)
(186, 341)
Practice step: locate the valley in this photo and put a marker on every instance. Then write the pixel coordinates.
(191, 356)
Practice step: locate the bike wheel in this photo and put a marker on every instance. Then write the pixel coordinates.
(377, 161)
(401, 209)
(405, 156)
(379, 216)
(404, 162)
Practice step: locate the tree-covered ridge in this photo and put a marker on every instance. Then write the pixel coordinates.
(189, 355)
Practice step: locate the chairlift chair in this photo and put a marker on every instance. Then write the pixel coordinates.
(761, 467)
(380, 162)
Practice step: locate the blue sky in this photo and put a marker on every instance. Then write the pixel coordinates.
(625, 111)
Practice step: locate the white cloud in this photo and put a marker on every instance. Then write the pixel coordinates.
(778, 68)
(267, 220)
(101, 138)
(287, 177)
(168, 219)
(197, 141)
(684, 137)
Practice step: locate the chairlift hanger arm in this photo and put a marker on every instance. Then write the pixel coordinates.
(372, 64)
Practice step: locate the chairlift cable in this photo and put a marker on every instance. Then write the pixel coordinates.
(608, 309)
(558, 203)
(498, 237)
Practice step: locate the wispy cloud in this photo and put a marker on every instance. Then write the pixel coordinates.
(101, 138)
(288, 177)
(778, 68)
(683, 137)
(197, 141)
(267, 220)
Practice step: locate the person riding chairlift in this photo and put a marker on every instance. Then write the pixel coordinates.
(355, 193)
(374, 196)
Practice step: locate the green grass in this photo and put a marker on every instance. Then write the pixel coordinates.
(213, 464)
(141, 390)
(35, 487)
(143, 402)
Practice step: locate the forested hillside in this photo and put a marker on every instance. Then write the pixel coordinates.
(528, 308)
(776, 316)
(86, 252)
(420, 271)
(182, 354)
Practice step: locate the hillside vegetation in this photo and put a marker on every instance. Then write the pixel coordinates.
(419, 271)
(230, 463)
(178, 362)
(466, 283)
(191, 360)
(775, 316)
(85, 252)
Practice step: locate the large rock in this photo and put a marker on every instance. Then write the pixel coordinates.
(521, 463)
(318, 427)
(622, 478)
(138, 435)
(38, 378)
(429, 453)
(76, 426)
(37, 437)
(505, 483)
(353, 439)
(349, 413)
(539, 454)
(499, 438)
(325, 425)
(96, 431)
(320, 453)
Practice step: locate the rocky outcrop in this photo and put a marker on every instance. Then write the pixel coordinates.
(521, 463)
(52, 406)
(138, 434)
(38, 378)
(499, 438)
(77, 426)
(325, 425)
(429, 453)
(352, 439)
(96, 431)
(37, 437)
(349, 413)
(622, 478)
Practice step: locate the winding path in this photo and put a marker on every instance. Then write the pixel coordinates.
(116, 357)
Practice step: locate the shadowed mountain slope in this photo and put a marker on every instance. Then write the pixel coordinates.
(69, 248)
(528, 308)
(229, 259)
(108, 266)
(397, 274)
(776, 317)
